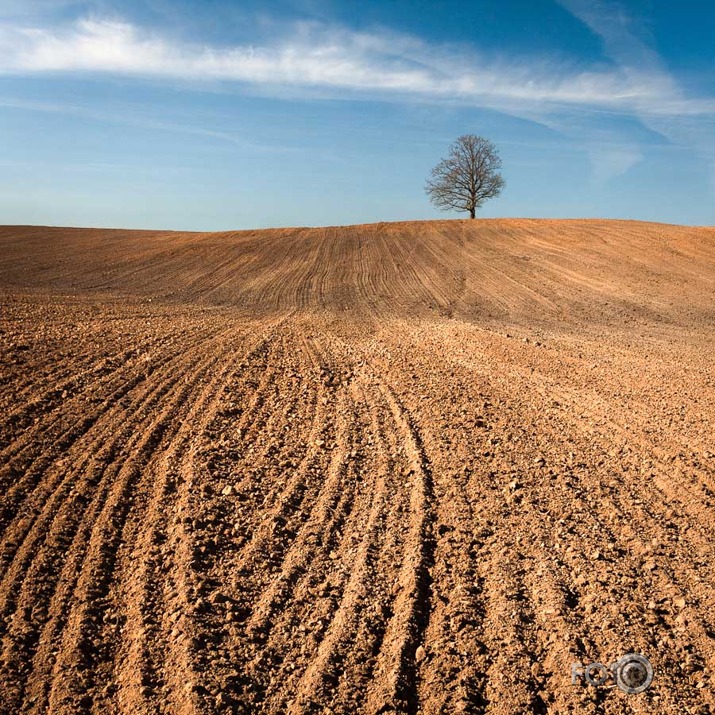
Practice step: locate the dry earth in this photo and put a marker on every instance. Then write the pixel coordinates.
(409, 468)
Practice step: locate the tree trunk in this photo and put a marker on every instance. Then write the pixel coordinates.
(472, 213)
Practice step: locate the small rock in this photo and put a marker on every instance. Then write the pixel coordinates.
(228, 491)
(224, 700)
(231, 678)
(420, 654)
(679, 603)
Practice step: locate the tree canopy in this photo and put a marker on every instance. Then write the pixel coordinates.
(467, 177)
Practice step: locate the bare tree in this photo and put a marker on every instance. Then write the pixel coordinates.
(467, 177)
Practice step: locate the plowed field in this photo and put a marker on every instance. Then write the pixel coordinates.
(393, 468)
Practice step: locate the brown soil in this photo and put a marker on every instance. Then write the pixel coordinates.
(410, 468)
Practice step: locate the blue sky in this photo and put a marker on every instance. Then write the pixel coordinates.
(223, 115)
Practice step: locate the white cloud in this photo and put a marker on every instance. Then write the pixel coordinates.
(143, 121)
(609, 162)
(320, 60)
(325, 58)
(683, 121)
(625, 43)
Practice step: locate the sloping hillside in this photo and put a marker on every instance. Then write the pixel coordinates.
(396, 468)
(519, 269)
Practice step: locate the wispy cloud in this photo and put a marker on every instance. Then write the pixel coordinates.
(329, 58)
(684, 121)
(610, 162)
(134, 119)
(623, 42)
(319, 60)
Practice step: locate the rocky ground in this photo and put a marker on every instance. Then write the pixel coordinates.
(409, 468)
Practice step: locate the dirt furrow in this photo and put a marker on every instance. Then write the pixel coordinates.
(397, 468)
(145, 653)
(58, 561)
(55, 479)
(395, 670)
(345, 637)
